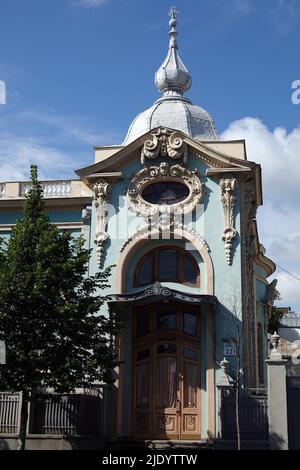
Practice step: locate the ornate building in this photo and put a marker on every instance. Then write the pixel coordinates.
(174, 208)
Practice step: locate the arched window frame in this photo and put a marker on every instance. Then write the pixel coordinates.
(180, 272)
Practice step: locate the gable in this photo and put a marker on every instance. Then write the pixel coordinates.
(209, 152)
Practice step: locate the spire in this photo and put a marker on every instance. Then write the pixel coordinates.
(172, 78)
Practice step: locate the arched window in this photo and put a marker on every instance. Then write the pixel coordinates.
(167, 264)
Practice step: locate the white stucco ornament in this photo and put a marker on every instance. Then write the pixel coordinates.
(165, 143)
(164, 173)
(102, 190)
(228, 199)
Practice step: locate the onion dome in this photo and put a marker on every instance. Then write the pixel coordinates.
(173, 109)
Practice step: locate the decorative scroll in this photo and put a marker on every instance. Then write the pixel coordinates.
(102, 190)
(166, 143)
(164, 172)
(228, 200)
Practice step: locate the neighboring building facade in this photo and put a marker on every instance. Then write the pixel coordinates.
(289, 332)
(174, 208)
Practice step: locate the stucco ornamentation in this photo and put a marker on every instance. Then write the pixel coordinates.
(164, 172)
(102, 190)
(228, 199)
(166, 143)
(145, 232)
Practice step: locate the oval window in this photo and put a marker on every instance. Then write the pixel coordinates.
(166, 193)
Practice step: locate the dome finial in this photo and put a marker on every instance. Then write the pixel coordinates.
(173, 23)
(172, 78)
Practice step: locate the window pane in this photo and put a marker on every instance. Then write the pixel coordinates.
(190, 386)
(166, 382)
(142, 323)
(166, 348)
(190, 323)
(145, 275)
(166, 318)
(142, 385)
(190, 354)
(190, 271)
(142, 355)
(167, 265)
(166, 193)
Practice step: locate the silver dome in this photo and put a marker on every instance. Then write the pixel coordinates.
(173, 110)
(179, 114)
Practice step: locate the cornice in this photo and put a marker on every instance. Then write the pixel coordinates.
(212, 157)
(78, 203)
(62, 225)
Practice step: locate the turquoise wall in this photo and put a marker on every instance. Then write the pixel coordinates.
(211, 224)
(54, 216)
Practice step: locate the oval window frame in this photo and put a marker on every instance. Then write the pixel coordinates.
(163, 173)
(163, 181)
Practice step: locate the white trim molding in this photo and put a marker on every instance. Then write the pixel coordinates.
(102, 190)
(228, 199)
(164, 172)
(143, 235)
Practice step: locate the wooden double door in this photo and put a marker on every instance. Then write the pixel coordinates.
(166, 372)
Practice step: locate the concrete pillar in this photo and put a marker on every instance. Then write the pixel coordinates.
(277, 398)
(223, 384)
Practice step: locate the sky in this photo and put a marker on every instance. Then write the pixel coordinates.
(78, 71)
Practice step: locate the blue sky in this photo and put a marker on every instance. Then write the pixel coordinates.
(78, 71)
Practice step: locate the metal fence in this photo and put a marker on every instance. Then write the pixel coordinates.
(9, 412)
(253, 413)
(63, 414)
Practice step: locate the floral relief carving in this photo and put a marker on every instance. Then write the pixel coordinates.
(190, 423)
(102, 190)
(164, 172)
(228, 199)
(166, 143)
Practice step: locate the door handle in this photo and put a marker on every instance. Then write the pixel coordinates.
(178, 406)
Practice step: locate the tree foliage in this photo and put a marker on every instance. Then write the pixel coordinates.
(275, 317)
(49, 307)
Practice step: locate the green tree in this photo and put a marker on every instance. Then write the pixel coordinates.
(275, 316)
(49, 309)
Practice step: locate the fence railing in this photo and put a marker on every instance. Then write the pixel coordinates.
(253, 417)
(51, 414)
(9, 412)
(50, 188)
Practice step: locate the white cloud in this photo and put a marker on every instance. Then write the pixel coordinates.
(289, 291)
(285, 15)
(90, 3)
(2, 92)
(278, 153)
(17, 154)
(279, 222)
(73, 126)
(242, 6)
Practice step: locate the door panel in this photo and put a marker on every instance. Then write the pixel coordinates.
(166, 376)
(166, 420)
(190, 394)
